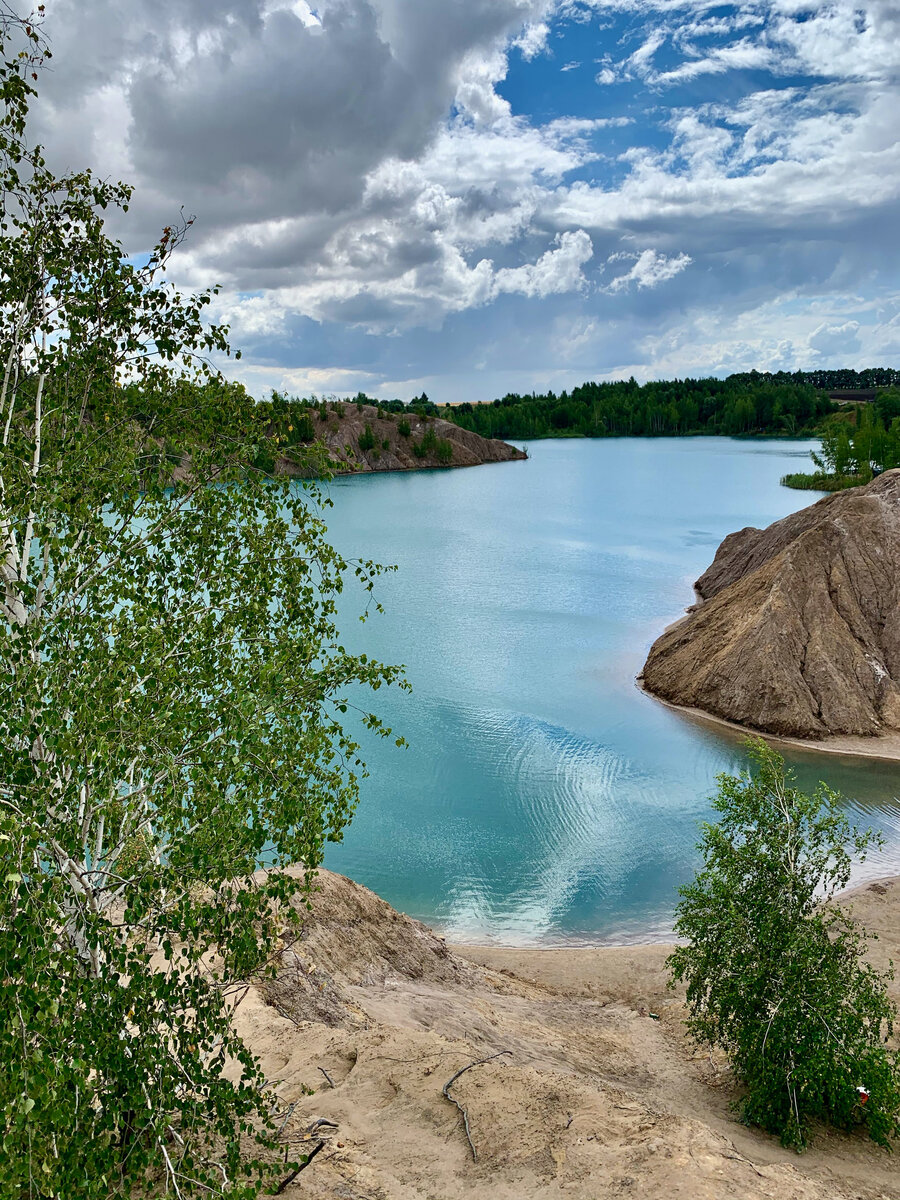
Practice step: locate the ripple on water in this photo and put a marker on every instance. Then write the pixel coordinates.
(543, 798)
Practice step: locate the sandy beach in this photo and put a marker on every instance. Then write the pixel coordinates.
(584, 1084)
(886, 747)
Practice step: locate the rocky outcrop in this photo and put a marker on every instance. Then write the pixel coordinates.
(797, 632)
(362, 438)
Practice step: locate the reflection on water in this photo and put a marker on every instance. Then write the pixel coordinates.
(543, 798)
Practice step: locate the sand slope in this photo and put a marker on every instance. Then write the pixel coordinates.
(595, 1099)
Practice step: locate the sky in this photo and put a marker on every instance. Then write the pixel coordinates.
(472, 197)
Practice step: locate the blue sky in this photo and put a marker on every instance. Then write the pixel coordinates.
(492, 195)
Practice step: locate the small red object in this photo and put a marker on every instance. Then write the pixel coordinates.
(863, 1095)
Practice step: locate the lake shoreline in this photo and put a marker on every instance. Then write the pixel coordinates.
(884, 748)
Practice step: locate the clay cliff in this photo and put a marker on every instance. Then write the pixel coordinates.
(797, 632)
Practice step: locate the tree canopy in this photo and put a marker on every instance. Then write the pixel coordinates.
(738, 405)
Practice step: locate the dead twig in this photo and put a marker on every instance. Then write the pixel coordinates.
(293, 1175)
(327, 1076)
(287, 1116)
(445, 1092)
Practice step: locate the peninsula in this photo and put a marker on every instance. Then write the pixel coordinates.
(363, 437)
(796, 632)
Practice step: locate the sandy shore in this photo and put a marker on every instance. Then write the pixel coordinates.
(886, 747)
(577, 1079)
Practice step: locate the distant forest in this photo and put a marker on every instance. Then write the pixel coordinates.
(741, 404)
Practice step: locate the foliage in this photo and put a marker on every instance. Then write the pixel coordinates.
(366, 439)
(738, 405)
(821, 481)
(843, 378)
(857, 443)
(403, 428)
(172, 685)
(774, 978)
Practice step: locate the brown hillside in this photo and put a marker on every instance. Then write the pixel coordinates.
(798, 629)
(392, 451)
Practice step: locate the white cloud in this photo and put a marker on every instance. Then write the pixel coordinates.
(650, 269)
(532, 41)
(557, 270)
(835, 339)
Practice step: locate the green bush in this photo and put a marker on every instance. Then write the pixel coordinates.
(386, 444)
(426, 445)
(444, 451)
(821, 481)
(367, 438)
(773, 977)
(403, 428)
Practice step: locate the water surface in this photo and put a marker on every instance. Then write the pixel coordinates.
(543, 798)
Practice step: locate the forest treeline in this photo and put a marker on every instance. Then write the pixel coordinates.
(741, 404)
(843, 380)
(746, 404)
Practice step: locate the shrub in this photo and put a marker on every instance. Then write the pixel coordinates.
(444, 450)
(820, 481)
(403, 428)
(367, 438)
(386, 444)
(426, 446)
(774, 978)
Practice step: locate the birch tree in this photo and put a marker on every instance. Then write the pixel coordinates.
(172, 687)
(774, 968)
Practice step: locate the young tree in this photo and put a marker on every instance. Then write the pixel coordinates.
(171, 690)
(773, 977)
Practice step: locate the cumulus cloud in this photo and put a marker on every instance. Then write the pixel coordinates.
(357, 169)
(649, 269)
(557, 270)
(532, 41)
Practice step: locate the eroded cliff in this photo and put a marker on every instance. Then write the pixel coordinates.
(797, 632)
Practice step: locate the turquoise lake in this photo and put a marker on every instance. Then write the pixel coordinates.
(543, 799)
